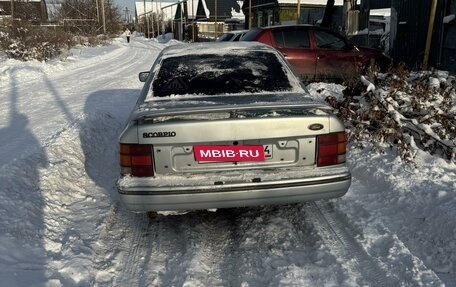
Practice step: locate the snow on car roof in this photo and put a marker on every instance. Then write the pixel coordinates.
(213, 48)
(221, 68)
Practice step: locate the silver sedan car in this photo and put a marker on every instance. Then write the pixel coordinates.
(221, 125)
(234, 35)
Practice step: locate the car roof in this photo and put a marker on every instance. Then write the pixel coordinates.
(231, 35)
(313, 27)
(214, 48)
(236, 31)
(288, 25)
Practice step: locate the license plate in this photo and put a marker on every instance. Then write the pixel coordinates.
(225, 153)
(267, 151)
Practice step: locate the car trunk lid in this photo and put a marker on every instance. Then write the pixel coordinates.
(240, 136)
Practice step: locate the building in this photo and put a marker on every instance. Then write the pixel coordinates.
(262, 13)
(191, 20)
(211, 18)
(205, 20)
(422, 33)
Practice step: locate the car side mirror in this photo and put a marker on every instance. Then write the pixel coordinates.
(143, 76)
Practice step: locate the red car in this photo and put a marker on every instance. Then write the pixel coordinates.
(316, 53)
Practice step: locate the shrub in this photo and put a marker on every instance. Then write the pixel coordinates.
(403, 110)
(28, 42)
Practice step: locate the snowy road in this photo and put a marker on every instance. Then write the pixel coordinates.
(62, 223)
(299, 245)
(51, 98)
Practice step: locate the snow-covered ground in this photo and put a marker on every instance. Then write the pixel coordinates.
(62, 223)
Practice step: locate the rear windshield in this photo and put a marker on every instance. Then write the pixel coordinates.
(215, 74)
(251, 35)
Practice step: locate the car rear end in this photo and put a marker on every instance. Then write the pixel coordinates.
(236, 157)
(230, 150)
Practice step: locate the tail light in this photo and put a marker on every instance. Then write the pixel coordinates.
(136, 160)
(331, 149)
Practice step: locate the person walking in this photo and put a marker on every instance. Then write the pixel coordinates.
(128, 34)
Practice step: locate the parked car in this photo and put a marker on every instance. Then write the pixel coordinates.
(234, 35)
(316, 53)
(222, 125)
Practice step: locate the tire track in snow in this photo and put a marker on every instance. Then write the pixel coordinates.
(137, 242)
(121, 56)
(268, 248)
(191, 249)
(212, 241)
(121, 62)
(231, 248)
(196, 248)
(120, 248)
(166, 256)
(60, 96)
(342, 244)
(340, 238)
(103, 248)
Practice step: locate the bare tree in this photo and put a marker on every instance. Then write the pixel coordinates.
(85, 16)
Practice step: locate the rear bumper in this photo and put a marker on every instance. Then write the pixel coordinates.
(141, 198)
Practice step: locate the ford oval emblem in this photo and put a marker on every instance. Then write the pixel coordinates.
(315, 127)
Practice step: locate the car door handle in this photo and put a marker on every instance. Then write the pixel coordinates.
(285, 55)
(321, 56)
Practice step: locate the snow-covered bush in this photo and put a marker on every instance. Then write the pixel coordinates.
(403, 110)
(27, 42)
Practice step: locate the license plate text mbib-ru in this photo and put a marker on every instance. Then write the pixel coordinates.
(229, 153)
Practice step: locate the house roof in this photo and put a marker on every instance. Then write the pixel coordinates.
(192, 7)
(225, 8)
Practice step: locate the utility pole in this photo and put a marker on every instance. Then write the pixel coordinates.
(98, 11)
(146, 19)
(12, 14)
(181, 30)
(429, 33)
(193, 22)
(152, 18)
(12, 9)
(299, 12)
(144, 2)
(250, 14)
(162, 18)
(158, 17)
(216, 24)
(126, 14)
(103, 15)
